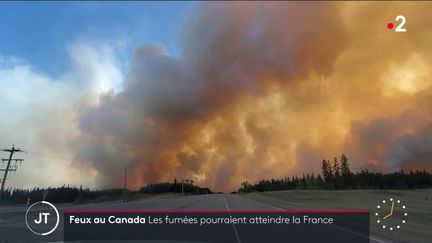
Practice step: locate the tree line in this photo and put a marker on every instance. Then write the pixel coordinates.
(72, 194)
(63, 194)
(185, 186)
(336, 175)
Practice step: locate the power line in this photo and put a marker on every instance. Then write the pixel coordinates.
(50, 155)
(12, 164)
(8, 166)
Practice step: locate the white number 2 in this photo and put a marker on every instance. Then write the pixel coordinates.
(400, 27)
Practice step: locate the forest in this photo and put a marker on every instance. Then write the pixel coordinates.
(71, 194)
(336, 175)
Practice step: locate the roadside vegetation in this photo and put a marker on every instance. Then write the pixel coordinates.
(337, 175)
(71, 194)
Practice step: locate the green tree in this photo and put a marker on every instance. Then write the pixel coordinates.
(336, 168)
(344, 168)
(326, 171)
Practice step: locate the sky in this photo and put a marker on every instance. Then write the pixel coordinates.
(215, 92)
(40, 32)
(42, 51)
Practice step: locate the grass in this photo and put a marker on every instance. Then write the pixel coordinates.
(418, 206)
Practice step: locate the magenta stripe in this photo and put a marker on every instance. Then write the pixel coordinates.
(216, 211)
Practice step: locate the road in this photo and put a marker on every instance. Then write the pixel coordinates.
(13, 228)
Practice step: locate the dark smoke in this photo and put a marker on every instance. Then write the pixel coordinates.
(156, 126)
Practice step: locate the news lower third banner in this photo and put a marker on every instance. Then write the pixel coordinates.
(218, 226)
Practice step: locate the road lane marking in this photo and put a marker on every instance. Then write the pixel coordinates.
(235, 230)
(359, 234)
(374, 239)
(191, 203)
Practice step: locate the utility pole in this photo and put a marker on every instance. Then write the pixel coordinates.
(125, 174)
(124, 185)
(6, 171)
(183, 182)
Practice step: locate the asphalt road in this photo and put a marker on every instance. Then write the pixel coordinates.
(14, 230)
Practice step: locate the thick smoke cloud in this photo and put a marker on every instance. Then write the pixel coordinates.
(40, 112)
(259, 90)
(412, 151)
(392, 143)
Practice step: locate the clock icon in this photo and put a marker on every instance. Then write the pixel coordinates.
(391, 214)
